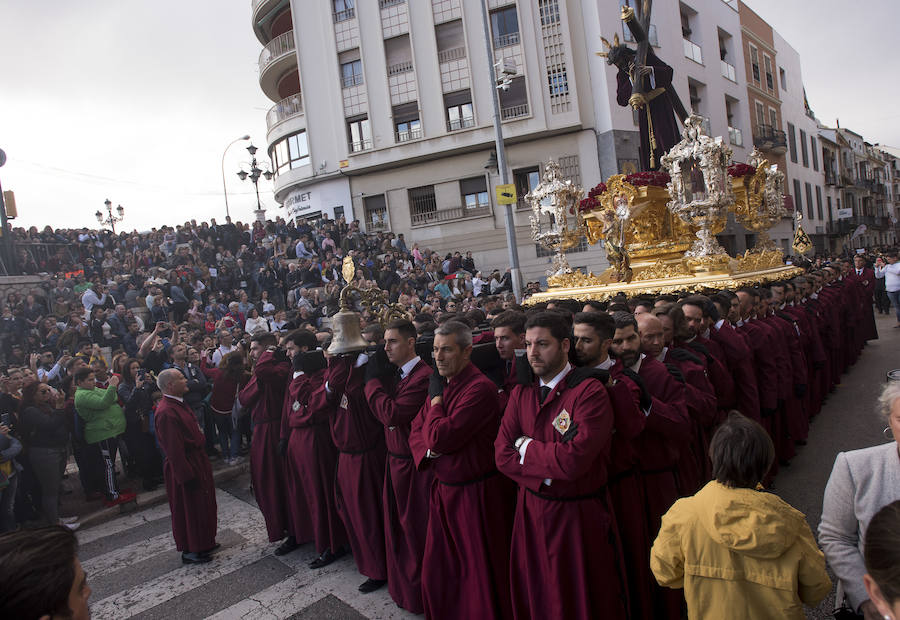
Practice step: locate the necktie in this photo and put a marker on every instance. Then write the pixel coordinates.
(859, 272)
(545, 390)
(398, 374)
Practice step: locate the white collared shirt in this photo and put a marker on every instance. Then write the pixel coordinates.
(719, 324)
(298, 373)
(637, 365)
(662, 355)
(408, 367)
(606, 364)
(178, 398)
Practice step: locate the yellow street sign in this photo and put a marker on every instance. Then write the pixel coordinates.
(506, 194)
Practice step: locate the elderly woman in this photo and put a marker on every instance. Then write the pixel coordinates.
(882, 576)
(738, 551)
(861, 482)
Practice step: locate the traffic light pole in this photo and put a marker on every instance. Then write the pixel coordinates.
(515, 272)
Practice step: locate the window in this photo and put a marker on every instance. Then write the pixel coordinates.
(754, 63)
(792, 142)
(809, 201)
(760, 114)
(770, 79)
(421, 201)
(360, 134)
(815, 155)
(505, 27)
(804, 149)
(351, 73)
(773, 118)
(782, 77)
(819, 202)
(526, 180)
(474, 193)
(460, 113)
(828, 204)
(406, 122)
(514, 101)
(343, 10)
(290, 152)
(549, 12)
(798, 198)
(376, 213)
(558, 81)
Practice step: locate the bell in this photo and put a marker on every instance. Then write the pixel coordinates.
(346, 333)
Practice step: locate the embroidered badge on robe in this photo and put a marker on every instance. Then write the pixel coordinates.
(344, 402)
(296, 406)
(562, 422)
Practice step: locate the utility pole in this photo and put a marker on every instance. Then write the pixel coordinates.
(501, 158)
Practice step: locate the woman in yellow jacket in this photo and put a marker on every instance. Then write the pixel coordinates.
(739, 552)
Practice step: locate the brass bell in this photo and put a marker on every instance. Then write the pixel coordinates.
(346, 333)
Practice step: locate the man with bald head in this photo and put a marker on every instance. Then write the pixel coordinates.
(188, 474)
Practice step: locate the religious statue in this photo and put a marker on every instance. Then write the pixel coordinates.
(645, 83)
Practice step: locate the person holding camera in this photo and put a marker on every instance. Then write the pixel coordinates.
(890, 272)
(136, 394)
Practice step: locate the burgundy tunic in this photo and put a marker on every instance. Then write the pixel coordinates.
(465, 570)
(564, 533)
(188, 474)
(866, 282)
(296, 396)
(264, 395)
(312, 462)
(740, 362)
(359, 438)
(405, 489)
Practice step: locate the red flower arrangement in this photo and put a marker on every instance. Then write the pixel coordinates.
(741, 170)
(592, 201)
(656, 178)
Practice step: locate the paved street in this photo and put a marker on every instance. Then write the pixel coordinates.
(135, 571)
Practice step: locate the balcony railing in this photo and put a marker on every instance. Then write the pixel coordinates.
(447, 215)
(276, 48)
(867, 184)
(342, 16)
(406, 136)
(767, 138)
(460, 123)
(693, 51)
(361, 145)
(849, 224)
(830, 178)
(386, 3)
(454, 53)
(728, 72)
(400, 67)
(354, 79)
(288, 107)
(505, 40)
(735, 136)
(514, 111)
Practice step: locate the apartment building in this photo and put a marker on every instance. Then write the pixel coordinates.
(382, 109)
(804, 180)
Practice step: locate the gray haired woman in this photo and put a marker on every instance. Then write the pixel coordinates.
(861, 483)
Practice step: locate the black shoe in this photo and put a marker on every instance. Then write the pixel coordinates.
(289, 544)
(193, 557)
(212, 549)
(370, 585)
(327, 558)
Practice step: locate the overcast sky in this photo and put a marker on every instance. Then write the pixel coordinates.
(136, 100)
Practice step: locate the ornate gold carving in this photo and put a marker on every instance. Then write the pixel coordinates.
(574, 279)
(661, 270)
(753, 260)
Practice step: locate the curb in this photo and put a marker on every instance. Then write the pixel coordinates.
(148, 499)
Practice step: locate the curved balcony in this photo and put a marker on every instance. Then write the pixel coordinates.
(259, 13)
(287, 108)
(275, 57)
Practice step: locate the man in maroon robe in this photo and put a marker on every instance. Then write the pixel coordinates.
(659, 446)
(359, 437)
(593, 332)
(738, 357)
(865, 277)
(465, 568)
(188, 474)
(310, 454)
(509, 337)
(395, 400)
(264, 397)
(554, 441)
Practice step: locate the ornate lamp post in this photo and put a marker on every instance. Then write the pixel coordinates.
(111, 219)
(254, 173)
(224, 188)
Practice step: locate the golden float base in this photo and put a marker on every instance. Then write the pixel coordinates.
(673, 275)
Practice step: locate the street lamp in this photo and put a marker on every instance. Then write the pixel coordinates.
(110, 219)
(254, 173)
(224, 189)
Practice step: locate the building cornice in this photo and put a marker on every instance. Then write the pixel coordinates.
(756, 90)
(759, 42)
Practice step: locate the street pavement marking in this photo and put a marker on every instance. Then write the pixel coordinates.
(124, 523)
